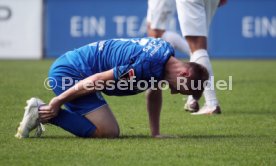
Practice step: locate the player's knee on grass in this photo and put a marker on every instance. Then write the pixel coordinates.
(111, 132)
(105, 122)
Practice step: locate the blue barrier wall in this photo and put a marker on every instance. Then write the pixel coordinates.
(241, 29)
(244, 29)
(72, 23)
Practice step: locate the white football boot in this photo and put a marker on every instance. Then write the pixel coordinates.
(208, 110)
(30, 119)
(191, 106)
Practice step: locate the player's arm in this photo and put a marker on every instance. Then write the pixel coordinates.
(83, 87)
(154, 105)
(86, 86)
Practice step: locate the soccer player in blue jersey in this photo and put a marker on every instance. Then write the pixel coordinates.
(82, 74)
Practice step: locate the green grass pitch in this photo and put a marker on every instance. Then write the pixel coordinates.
(245, 134)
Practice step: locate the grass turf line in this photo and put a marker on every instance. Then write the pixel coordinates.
(245, 134)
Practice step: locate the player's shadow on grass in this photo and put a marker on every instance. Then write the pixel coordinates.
(187, 136)
(140, 136)
(212, 136)
(55, 137)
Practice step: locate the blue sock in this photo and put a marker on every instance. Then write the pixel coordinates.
(74, 123)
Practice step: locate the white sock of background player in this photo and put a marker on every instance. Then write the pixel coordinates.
(177, 41)
(201, 57)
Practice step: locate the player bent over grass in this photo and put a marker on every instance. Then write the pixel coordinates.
(87, 114)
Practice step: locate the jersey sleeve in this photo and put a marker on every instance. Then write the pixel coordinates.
(141, 70)
(129, 71)
(123, 72)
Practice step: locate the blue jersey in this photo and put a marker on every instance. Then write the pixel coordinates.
(141, 57)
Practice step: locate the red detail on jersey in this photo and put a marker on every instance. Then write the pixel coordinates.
(131, 73)
(128, 75)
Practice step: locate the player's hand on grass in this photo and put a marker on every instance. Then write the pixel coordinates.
(50, 111)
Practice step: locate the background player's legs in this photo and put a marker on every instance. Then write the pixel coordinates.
(198, 45)
(158, 16)
(177, 41)
(195, 17)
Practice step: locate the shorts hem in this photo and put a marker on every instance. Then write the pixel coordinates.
(83, 114)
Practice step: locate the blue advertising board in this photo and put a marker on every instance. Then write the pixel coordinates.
(244, 29)
(240, 29)
(73, 23)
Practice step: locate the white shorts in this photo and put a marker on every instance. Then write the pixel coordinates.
(195, 16)
(160, 13)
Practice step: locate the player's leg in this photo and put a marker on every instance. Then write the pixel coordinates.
(74, 123)
(86, 116)
(99, 123)
(177, 41)
(77, 116)
(194, 26)
(158, 16)
(105, 122)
